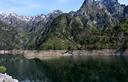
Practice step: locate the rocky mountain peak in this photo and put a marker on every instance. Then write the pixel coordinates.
(55, 13)
(86, 2)
(12, 15)
(27, 23)
(96, 12)
(109, 1)
(126, 11)
(114, 7)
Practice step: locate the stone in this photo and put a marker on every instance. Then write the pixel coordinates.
(7, 78)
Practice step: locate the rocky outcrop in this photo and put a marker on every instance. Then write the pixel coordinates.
(7, 78)
(96, 13)
(126, 11)
(114, 7)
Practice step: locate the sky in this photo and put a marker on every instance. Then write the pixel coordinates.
(36, 7)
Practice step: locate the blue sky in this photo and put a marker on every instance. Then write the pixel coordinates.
(35, 7)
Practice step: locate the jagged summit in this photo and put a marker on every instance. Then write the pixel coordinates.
(88, 3)
(126, 11)
(12, 14)
(8, 15)
(112, 6)
(96, 13)
(110, 1)
(27, 23)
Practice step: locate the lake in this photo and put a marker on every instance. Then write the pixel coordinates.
(67, 69)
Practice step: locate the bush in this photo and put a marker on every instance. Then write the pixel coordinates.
(2, 69)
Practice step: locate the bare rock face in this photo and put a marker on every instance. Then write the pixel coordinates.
(96, 13)
(7, 78)
(111, 6)
(114, 7)
(103, 12)
(126, 11)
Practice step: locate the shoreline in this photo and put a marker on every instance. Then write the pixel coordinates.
(50, 54)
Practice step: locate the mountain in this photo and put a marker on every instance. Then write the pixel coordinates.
(92, 26)
(96, 25)
(27, 23)
(14, 20)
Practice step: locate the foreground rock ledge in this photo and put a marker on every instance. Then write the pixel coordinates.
(7, 78)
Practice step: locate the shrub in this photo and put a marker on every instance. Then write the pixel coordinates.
(2, 69)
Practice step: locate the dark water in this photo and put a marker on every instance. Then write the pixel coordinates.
(80, 69)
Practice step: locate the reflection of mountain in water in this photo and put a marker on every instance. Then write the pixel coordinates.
(82, 69)
(23, 69)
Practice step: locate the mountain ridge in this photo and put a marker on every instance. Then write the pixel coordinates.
(74, 30)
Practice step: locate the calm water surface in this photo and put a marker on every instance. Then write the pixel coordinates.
(79, 69)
